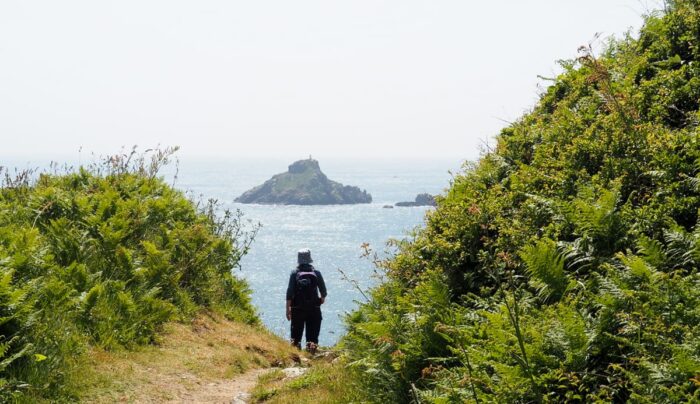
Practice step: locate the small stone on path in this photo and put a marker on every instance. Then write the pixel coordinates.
(241, 398)
(290, 373)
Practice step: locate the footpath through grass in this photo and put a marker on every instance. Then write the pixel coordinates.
(200, 361)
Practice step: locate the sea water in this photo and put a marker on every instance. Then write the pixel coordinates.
(334, 234)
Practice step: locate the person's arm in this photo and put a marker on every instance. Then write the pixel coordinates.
(290, 295)
(321, 286)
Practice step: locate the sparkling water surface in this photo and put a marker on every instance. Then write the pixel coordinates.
(333, 233)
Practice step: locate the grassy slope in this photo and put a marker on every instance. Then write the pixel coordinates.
(191, 362)
(326, 382)
(293, 182)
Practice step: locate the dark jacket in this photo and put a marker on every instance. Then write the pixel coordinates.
(292, 287)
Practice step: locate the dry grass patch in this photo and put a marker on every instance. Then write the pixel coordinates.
(323, 383)
(191, 361)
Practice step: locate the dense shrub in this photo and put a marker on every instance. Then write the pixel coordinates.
(563, 265)
(104, 255)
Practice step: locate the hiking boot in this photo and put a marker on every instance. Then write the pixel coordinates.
(297, 344)
(311, 347)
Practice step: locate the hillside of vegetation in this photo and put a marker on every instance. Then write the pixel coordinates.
(563, 266)
(100, 258)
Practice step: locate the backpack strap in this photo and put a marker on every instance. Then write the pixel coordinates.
(304, 273)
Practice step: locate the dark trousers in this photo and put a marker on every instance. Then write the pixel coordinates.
(306, 318)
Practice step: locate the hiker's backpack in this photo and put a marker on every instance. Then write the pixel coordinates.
(306, 294)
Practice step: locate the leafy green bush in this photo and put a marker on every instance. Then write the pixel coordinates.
(104, 255)
(564, 265)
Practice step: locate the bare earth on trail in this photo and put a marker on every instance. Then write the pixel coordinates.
(211, 360)
(237, 389)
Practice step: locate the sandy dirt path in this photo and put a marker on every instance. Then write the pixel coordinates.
(236, 390)
(210, 360)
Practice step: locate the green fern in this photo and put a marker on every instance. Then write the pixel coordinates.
(652, 251)
(545, 265)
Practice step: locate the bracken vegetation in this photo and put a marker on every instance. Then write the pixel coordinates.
(564, 265)
(103, 256)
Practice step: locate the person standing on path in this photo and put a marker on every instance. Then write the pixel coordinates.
(306, 293)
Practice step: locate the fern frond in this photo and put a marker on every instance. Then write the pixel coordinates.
(579, 255)
(681, 246)
(652, 251)
(546, 267)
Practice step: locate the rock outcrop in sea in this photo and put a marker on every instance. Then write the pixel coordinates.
(421, 200)
(304, 184)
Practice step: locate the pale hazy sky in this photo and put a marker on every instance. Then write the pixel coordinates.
(393, 78)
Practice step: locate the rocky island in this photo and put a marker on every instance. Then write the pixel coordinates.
(304, 184)
(421, 200)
